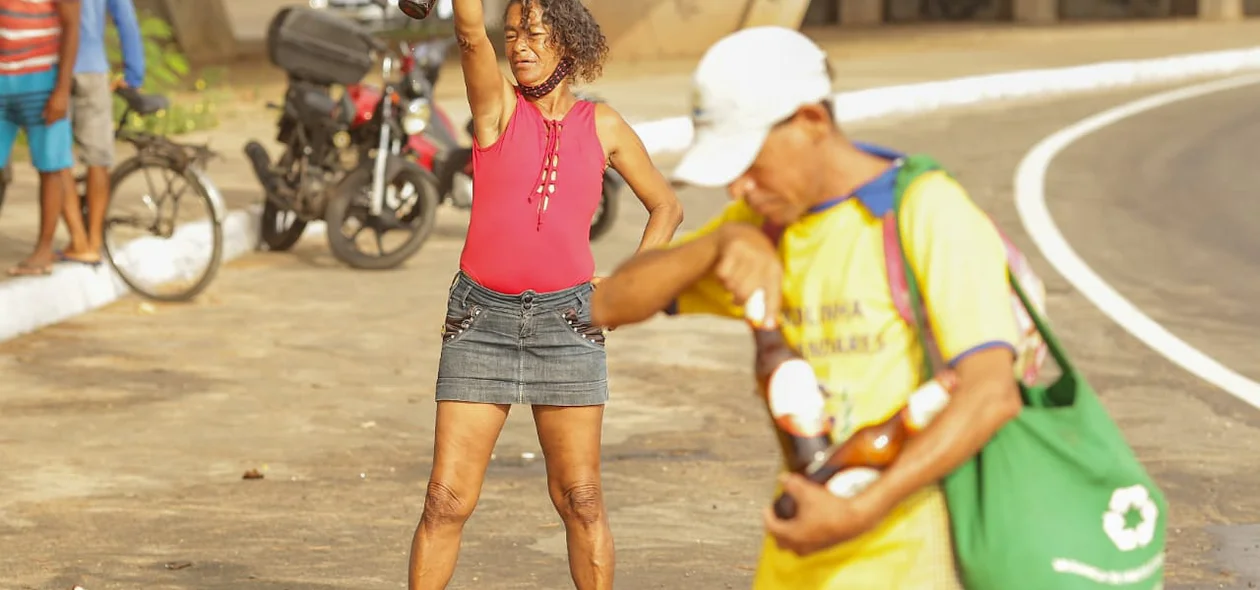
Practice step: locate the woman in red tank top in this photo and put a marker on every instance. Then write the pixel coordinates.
(518, 325)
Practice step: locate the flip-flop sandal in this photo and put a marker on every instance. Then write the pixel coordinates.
(25, 270)
(61, 257)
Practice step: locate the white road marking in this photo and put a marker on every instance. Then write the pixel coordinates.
(1030, 200)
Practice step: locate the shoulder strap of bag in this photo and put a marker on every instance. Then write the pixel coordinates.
(906, 294)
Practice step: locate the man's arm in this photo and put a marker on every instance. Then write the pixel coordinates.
(986, 399)
(737, 255)
(647, 283)
(59, 102)
(123, 12)
(962, 262)
(629, 158)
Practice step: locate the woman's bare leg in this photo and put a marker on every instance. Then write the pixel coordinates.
(570, 438)
(462, 442)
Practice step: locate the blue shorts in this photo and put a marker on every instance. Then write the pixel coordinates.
(22, 101)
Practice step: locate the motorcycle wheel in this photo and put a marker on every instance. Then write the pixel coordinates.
(281, 229)
(606, 214)
(416, 215)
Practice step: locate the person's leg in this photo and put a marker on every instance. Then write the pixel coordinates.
(94, 131)
(52, 156)
(72, 212)
(8, 134)
(570, 439)
(50, 153)
(463, 440)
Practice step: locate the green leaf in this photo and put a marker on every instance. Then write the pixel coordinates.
(167, 70)
(177, 63)
(155, 28)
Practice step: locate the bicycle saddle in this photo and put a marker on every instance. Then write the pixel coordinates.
(143, 104)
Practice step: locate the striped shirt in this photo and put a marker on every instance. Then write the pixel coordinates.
(30, 36)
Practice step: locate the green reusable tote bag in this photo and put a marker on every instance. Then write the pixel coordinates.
(1056, 500)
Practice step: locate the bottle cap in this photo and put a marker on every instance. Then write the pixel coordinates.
(755, 309)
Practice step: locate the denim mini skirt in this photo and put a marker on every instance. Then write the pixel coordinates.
(532, 348)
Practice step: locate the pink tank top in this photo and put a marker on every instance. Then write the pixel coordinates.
(535, 191)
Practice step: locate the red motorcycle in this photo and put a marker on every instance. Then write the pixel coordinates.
(431, 137)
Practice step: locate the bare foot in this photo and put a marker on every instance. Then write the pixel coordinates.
(81, 256)
(36, 265)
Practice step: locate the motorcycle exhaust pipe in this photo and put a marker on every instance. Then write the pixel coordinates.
(261, 163)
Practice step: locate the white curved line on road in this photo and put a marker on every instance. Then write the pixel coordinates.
(1030, 200)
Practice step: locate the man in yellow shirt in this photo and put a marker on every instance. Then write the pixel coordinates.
(766, 131)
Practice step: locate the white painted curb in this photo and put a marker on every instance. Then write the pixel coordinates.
(31, 303)
(674, 134)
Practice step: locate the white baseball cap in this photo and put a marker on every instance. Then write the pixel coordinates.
(747, 83)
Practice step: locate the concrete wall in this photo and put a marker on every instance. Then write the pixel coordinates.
(249, 18)
(665, 28)
(202, 28)
(655, 29)
(636, 29)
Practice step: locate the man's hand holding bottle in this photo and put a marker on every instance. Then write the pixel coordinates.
(747, 263)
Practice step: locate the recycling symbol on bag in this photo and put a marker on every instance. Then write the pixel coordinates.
(1128, 504)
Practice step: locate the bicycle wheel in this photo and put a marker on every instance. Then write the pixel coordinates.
(159, 260)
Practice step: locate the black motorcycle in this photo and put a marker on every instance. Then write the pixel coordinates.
(327, 170)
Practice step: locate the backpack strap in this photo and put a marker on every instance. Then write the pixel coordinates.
(907, 296)
(894, 267)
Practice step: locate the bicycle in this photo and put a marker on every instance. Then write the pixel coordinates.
(158, 250)
(175, 161)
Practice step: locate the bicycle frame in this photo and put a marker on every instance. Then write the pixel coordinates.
(183, 154)
(187, 158)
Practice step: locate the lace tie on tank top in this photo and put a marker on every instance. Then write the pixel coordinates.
(551, 164)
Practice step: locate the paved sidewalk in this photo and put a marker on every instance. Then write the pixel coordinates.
(126, 431)
(645, 91)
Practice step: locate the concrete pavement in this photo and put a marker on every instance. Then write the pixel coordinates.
(1174, 227)
(126, 431)
(1162, 206)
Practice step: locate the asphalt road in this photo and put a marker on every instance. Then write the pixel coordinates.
(124, 433)
(1166, 207)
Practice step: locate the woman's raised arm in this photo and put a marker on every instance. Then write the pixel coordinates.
(490, 95)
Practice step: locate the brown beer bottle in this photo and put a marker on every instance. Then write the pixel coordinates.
(790, 391)
(850, 466)
(417, 9)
